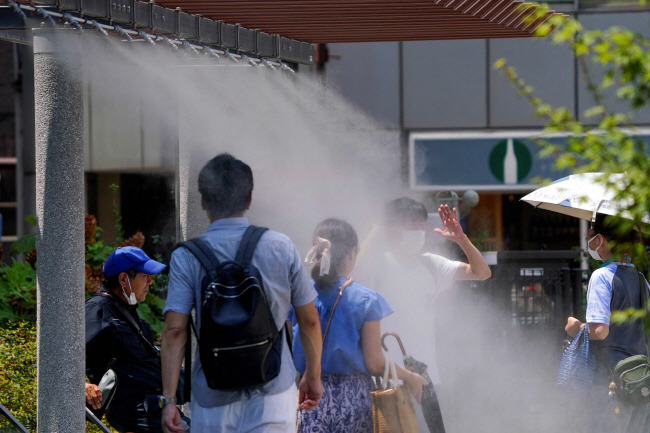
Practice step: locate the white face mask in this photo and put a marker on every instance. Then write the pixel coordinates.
(131, 300)
(594, 253)
(412, 241)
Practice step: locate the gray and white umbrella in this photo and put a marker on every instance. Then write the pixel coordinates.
(580, 195)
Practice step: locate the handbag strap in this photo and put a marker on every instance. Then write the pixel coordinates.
(644, 304)
(132, 324)
(341, 289)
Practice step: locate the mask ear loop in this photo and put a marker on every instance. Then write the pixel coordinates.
(131, 298)
(124, 292)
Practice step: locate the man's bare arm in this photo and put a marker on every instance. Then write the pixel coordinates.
(174, 338)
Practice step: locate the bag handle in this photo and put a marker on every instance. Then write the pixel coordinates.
(389, 371)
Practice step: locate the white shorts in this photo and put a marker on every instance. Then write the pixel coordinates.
(257, 413)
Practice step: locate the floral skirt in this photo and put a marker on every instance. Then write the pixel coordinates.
(345, 407)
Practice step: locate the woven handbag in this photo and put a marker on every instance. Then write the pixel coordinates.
(578, 363)
(392, 407)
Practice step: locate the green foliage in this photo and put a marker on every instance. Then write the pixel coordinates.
(117, 215)
(97, 253)
(24, 245)
(18, 371)
(17, 291)
(151, 309)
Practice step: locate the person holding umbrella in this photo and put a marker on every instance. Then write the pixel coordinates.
(615, 286)
(350, 316)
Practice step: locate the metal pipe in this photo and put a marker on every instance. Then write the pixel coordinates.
(70, 19)
(45, 14)
(16, 7)
(98, 27)
(169, 42)
(123, 32)
(234, 57)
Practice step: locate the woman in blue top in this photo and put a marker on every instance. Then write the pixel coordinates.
(351, 336)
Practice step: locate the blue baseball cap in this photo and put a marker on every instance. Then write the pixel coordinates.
(125, 258)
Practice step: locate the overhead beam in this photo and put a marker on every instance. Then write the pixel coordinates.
(147, 16)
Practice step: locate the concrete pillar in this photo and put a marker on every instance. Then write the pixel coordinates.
(192, 220)
(60, 241)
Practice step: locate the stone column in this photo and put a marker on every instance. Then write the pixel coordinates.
(60, 241)
(192, 220)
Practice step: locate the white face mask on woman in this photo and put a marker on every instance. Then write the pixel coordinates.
(131, 300)
(412, 241)
(594, 253)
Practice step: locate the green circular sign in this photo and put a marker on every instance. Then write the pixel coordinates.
(510, 161)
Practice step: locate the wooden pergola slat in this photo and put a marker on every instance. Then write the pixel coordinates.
(328, 21)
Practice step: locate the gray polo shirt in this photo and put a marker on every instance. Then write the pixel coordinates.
(286, 283)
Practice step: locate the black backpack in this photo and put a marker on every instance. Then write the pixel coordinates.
(240, 346)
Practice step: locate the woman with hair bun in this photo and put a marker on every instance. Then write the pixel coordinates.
(350, 317)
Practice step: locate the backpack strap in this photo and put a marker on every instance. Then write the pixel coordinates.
(248, 244)
(643, 289)
(209, 261)
(202, 252)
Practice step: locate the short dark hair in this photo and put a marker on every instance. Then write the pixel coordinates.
(614, 228)
(343, 239)
(113, 282)
(403, 210)
(226, 185)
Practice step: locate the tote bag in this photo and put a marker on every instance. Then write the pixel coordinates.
(392, 407)
(578, 363)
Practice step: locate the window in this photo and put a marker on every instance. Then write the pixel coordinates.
(619, 3)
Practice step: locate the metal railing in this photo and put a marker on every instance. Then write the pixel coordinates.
(539, 289)
(14, 424)
(9, 423)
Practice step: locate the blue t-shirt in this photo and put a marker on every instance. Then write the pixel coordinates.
(342, 352)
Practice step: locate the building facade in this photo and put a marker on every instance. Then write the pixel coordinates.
(464, 126)
(461, 126)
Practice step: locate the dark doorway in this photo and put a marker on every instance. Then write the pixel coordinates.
(148, 206)
(528, 228)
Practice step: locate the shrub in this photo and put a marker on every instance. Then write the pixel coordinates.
(18, 371)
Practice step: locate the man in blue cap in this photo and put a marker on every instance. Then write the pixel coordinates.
(117, 338)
